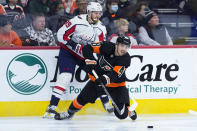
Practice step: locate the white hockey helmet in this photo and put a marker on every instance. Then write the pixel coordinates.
(94, 6)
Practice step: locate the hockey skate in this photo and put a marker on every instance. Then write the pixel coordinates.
(133, 115)
(108, 107)
(64, 115)
(50, 112)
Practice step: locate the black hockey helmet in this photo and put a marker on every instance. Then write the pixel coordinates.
(124, 40)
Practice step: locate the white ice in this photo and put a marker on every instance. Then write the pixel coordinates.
(169, 122)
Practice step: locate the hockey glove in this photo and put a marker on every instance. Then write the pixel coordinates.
(75, 46)
(90, 65)
(71, 43)
(102, 80)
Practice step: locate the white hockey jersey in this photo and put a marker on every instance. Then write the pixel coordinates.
(80, 31)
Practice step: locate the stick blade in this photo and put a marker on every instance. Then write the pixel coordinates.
(192, 112)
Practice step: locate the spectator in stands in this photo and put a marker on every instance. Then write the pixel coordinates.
(110, 15)
(40, 6)
(13, 10)
(69, 6)
(25, 5)
(125, 8)
(62, 7)
(16, 12)
(59, 17)
(16, 15)
(2, 10)
(190, 6)
(122, 26)
(37, 34)
(152, 33)
(2, 2)
(81, 7)
(138, 14)
(7, 36)
(53, 6)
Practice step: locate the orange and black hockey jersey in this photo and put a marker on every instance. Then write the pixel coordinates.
(108, 64)
(15, 12)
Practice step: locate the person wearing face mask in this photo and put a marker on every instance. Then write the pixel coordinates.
(110, 15)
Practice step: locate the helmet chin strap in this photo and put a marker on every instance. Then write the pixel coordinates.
(90, 20)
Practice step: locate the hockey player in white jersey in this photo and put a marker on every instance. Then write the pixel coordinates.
(73, 35)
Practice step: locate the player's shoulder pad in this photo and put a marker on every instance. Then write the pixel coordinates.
(79, 19)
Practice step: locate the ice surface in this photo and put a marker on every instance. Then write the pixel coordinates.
(169, 122)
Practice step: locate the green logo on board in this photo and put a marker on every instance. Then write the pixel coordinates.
(26, 74)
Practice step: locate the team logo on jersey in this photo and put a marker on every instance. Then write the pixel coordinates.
(104, 64)
(26, 74)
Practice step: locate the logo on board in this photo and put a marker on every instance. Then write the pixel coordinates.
(26, 73)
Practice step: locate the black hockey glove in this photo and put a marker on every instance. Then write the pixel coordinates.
(90, 65)
(102, 80)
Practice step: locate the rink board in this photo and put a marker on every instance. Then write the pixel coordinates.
(162, 79)
(145, 106)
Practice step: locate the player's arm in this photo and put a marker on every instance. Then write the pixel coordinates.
(90, 60)
(111, 78)
(65, 32)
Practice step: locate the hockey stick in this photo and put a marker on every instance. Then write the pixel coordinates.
(134, 105)
(192, 112)
(114, 104)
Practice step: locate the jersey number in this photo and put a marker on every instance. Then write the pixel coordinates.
(68, 23)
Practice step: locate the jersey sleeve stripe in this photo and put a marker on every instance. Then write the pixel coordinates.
(59, 88)
(68, 33)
